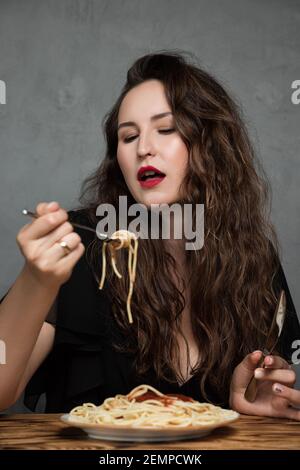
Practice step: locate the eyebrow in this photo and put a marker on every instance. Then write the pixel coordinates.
(153, 118)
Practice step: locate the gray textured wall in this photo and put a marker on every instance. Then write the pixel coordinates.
(64, 62)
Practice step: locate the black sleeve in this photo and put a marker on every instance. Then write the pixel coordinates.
(291, 328)
(52, 314)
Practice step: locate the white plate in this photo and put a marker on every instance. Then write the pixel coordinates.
(147, 434)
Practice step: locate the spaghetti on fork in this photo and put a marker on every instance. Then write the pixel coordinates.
(124, 239)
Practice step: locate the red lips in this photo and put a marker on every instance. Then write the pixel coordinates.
(143, 169)
(150, 181)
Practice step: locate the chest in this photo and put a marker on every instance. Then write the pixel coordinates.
(189, 353)
(188, 347)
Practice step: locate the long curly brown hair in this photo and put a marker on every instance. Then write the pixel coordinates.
(231, 277)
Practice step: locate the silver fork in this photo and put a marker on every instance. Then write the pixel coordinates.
(102, 236)
(278, 319)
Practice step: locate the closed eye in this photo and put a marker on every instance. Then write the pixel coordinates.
(161, 131)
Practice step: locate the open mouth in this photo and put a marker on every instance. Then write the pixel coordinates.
(150, 175)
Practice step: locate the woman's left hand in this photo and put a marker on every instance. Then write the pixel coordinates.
(275, 394)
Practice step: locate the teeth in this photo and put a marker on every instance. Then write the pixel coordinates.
(149, 174)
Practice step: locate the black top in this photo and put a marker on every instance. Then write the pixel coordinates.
(83, 365)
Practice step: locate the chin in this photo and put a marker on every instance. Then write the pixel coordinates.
(148, 197)
(155, 199)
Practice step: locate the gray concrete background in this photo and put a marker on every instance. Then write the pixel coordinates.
(64, 62)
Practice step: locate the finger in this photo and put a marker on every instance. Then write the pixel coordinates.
(44, 207)
(244, 371)
(57, 252)
(68, 261)
(290, 394)
(285, 376)
(25, 227)
(56, 235)
(292, 413)
(41, 209)
(250, 362)
(276, 362)
(45, 224)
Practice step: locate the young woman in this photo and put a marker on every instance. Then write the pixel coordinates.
(201, 317)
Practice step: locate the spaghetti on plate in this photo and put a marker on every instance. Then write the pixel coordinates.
(145, 406)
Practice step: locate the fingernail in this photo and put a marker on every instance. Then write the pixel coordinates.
(278, 388)
(259, 373)
(255, 353)
(51, 204)
(269, 360)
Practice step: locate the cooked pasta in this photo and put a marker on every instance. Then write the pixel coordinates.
(147, 407)
(124, 239)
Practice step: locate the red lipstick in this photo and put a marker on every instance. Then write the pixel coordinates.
(149, 176)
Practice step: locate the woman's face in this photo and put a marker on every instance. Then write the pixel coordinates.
(146, 140)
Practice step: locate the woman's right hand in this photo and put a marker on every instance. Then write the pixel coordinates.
(45, 260)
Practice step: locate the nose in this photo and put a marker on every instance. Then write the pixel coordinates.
(145, 146)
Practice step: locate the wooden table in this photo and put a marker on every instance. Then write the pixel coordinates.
(46, 431)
